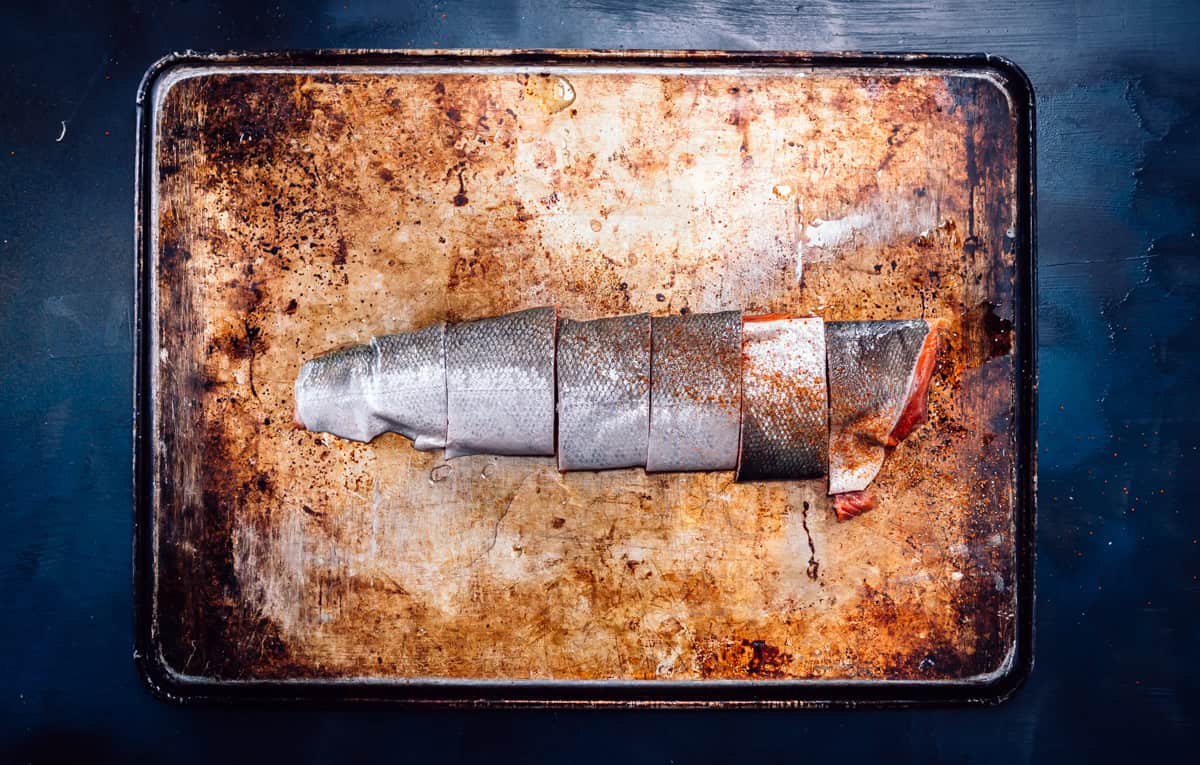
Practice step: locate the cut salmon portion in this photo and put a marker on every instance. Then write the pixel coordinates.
(916, 410)
(879, 376)
(785, 414)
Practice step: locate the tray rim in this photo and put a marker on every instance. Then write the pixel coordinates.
(165, 684)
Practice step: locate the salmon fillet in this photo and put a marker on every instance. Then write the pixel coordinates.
(770, 397)
(879, 374)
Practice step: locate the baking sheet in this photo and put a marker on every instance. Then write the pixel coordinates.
(291, 203)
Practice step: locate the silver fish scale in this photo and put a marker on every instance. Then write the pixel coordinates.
(871, 366)
(603, 392)
(408, 387)
(394, 383)
(500, 385)
(695, 392)
(332, 394)
(784, 401)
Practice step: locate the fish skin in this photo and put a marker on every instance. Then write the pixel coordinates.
(500, 385)
(603, 392)
(332, 394)
(695, 392)
(772, 396)
(872, 368)
(395, 383)
(784, 432)
(408, 390)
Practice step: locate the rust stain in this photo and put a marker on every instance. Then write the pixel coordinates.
(299, 212)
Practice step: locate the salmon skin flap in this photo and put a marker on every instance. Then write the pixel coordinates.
(770, 397)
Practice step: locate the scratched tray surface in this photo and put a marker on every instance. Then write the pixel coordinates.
(297, 209)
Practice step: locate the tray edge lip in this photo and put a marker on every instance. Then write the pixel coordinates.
(999, 685)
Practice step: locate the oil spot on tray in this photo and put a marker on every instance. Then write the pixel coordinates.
(552, 93)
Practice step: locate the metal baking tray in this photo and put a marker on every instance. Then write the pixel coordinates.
(288, 203)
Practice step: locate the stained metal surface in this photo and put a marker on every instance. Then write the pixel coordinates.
(295, 209)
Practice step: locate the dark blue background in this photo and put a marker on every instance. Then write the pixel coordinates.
(1118, 573)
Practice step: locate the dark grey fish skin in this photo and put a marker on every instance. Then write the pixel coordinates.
(603, 392)
(395, 383)
(695, 392)
(871, 376)
(785, 416)
(500, 385)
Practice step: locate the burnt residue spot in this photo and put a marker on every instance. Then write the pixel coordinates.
(998, 333)
(741, 121)
(253, 337)
(291, 307)
(476, 267)
(814, 565)
(245, 299)
(460, 198)
(454, 114)
(558, 523)
(243, 343)
(924, 650)
(385, 175)
(765, 659)
(172, 256)
(941, 660)
(987, 335)
(245, 123)
(339, 258)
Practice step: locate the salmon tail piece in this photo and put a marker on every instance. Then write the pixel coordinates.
(879, 378)
(916, 409)
(852, 504)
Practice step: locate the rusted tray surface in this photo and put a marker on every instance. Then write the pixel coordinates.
(294, 203)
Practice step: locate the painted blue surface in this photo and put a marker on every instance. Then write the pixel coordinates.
(1118, 623)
